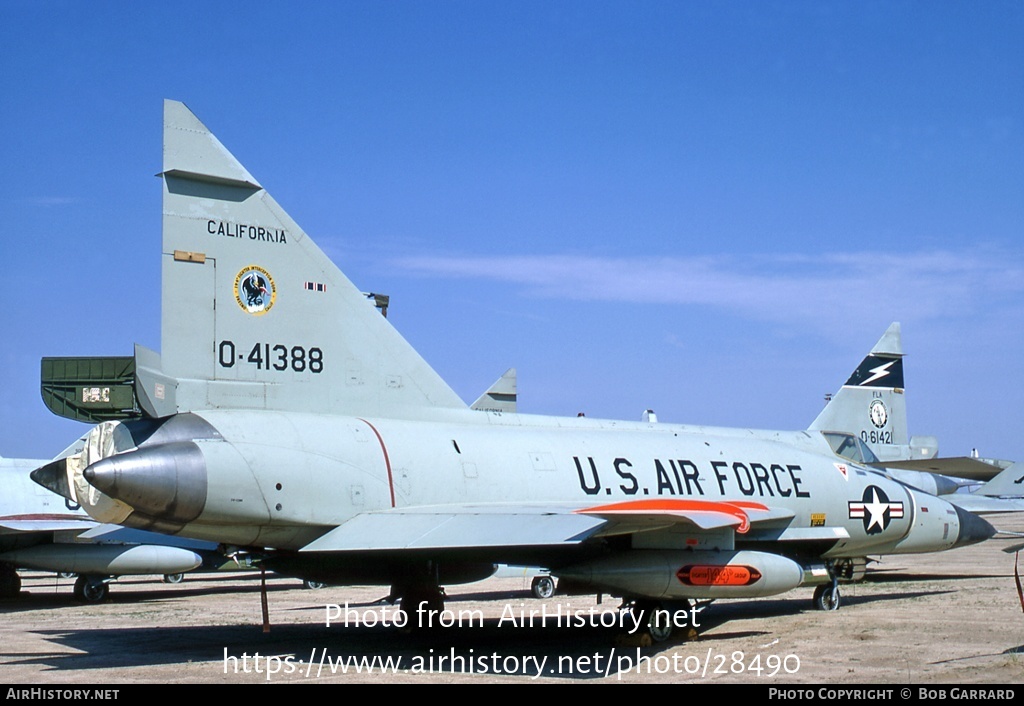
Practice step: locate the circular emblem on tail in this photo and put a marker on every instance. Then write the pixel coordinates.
(254, 290)
(878, 413)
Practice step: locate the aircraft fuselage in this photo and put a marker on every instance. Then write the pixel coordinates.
(282, 479)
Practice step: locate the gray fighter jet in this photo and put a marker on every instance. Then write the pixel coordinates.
(39, 530)
(866, 422)
(286, 415)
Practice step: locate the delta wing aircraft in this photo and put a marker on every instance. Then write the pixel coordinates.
(866, 422)
(285, 414)
(41, 531)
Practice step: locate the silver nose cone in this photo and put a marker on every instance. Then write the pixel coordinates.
(54, 476)
(164, 482)
(973, 529)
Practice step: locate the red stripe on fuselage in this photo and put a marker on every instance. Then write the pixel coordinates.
(387, 461)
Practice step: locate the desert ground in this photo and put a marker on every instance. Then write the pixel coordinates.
(949, 618)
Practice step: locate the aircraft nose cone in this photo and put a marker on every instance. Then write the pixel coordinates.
(164, 482)
(54, 476)
(973, 529)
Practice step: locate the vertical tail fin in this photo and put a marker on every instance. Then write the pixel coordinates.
(255, 316)
(1008, 484)
(871, 404)
(499, 397)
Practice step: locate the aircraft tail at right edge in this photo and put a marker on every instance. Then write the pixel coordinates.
(871, 404)
(1009, 483)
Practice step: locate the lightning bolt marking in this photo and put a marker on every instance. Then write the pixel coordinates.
(880, 372)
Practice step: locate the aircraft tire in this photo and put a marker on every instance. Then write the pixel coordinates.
(827, 598)
(657, 621)
(91, 590)
(313, 585)
(543, 587)
(173, 578)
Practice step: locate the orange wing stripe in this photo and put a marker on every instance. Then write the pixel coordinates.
(735, 509)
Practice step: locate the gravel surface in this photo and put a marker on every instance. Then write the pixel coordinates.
(952, 618)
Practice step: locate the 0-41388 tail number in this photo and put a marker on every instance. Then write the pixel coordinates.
(267, 356)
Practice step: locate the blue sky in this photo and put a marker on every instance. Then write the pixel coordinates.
(712, 209)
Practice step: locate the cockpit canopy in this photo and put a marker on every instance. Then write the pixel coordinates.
(850, 447)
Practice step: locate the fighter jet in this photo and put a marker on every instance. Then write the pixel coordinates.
(866, 422)
(290, 417)
(39, 530)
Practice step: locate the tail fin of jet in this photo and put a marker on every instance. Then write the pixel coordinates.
(871, 404)
(499, 397)
(255, 316)
(1008, 484)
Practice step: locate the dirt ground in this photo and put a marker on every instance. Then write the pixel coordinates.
(950, 618)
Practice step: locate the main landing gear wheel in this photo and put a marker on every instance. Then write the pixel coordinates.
(660, 621)
(174, 578)
(313, 585)
(659, 625)
(10, 582)
(826, 597)
(656, 620)
(91, 590)
(543, 587)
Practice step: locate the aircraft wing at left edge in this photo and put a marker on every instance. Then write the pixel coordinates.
(16, 524)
